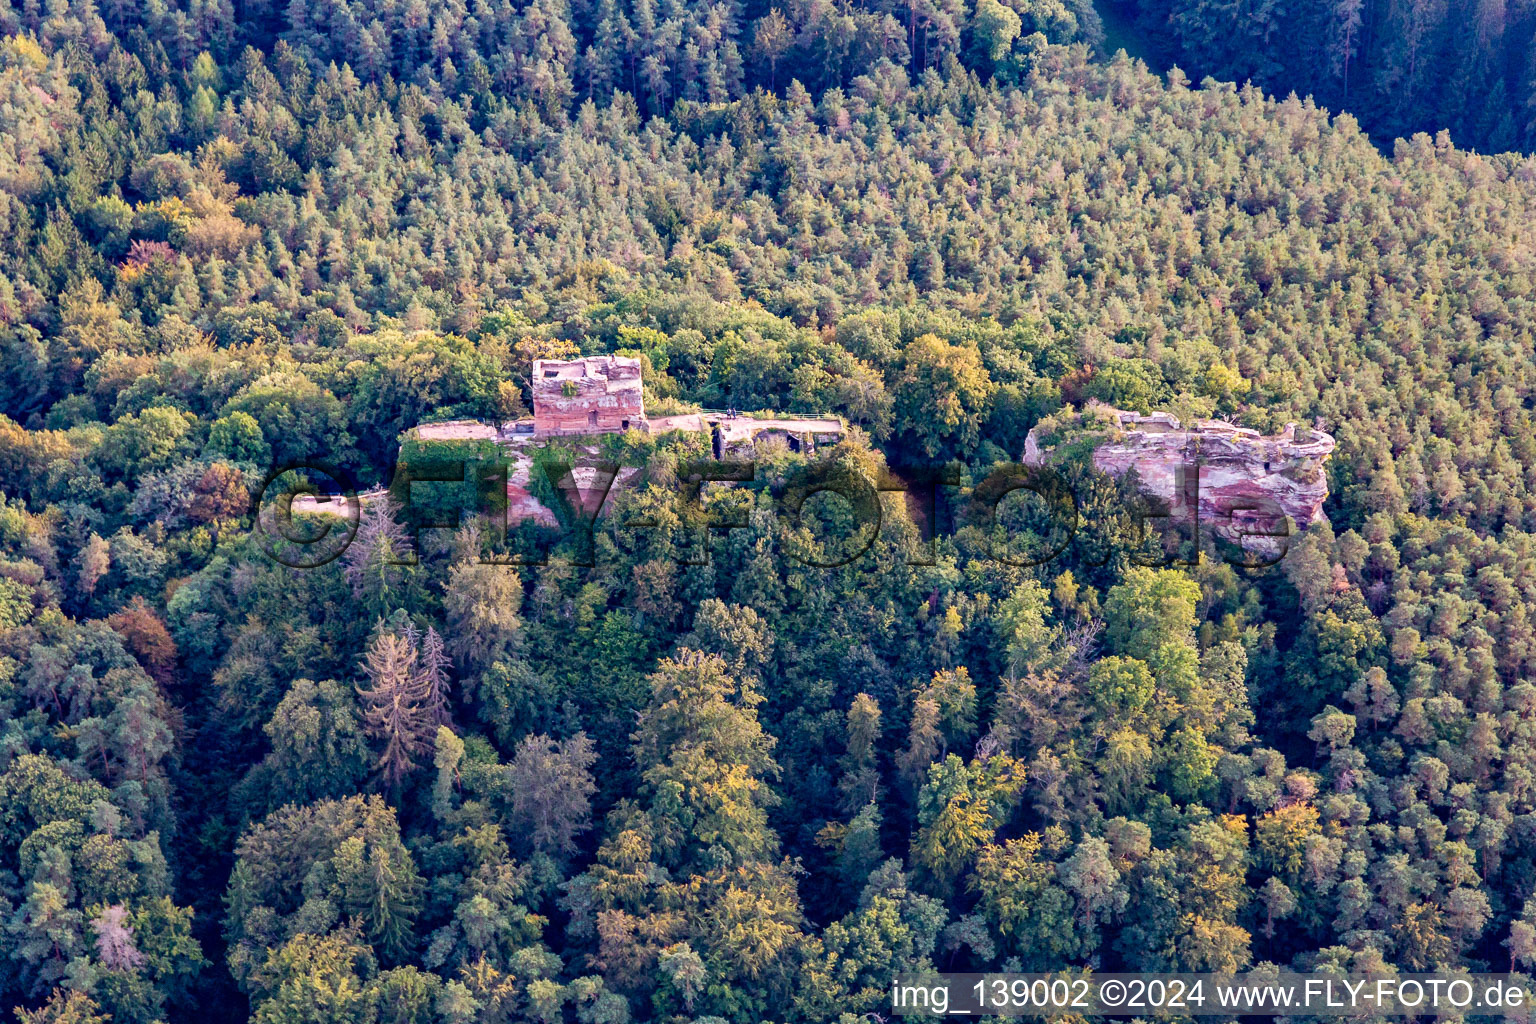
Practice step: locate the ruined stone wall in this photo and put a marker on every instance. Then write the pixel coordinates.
(587, 396)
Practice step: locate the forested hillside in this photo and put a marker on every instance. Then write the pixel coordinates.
(748, 790)
(1402, 66)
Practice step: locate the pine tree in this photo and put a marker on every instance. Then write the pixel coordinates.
(860, 782)
(1347, 19)
(773, 37)
(481, 606)
(378, 551)
(395, 706)
(434, 678)
(924, 739)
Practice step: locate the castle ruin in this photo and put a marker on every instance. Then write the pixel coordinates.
(592, 395)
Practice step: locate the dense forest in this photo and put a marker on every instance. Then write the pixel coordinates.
(742, 788)
(1401, 66)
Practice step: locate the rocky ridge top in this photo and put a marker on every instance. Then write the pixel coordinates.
(1243, 484)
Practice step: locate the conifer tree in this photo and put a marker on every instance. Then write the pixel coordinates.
(395, 706)
(375, 558)
(860, 782)
(434, 678)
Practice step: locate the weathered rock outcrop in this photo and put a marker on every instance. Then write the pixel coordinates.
(1242, 483)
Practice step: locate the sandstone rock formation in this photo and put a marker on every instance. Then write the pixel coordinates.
(1242, 484)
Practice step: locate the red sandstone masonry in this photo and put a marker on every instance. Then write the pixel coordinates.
(597, 394)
